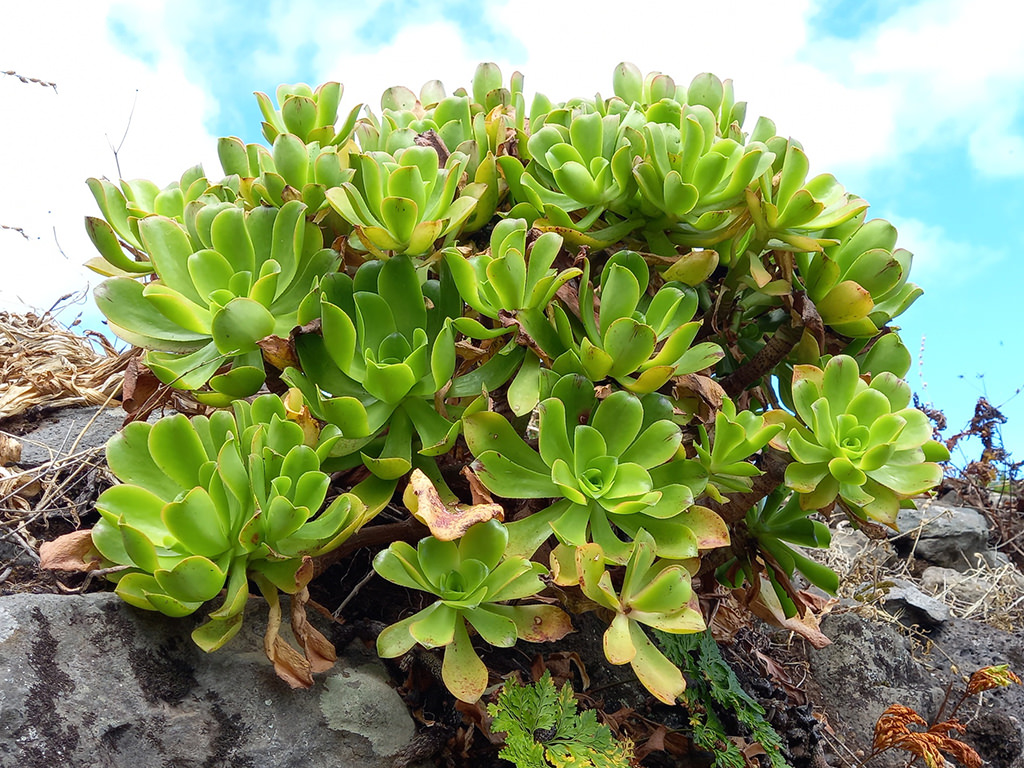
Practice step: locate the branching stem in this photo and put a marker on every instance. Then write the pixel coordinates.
(771, 354)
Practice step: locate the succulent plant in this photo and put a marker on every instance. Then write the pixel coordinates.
(692, 181)
(775, 527)
(737, 437)
(469, 122)
(512, 286)
(654, 593)
(210, 307)
(662, 99)
(790, 212)
(307, 114)
(401, 204)
(613, 462)
(581, 167)
(385, 347)
(503, 279)
(476, 124)
(602, 295)
(471, 580)
(859, 284)
(207, 503)
(116, 235)
(640, 342)
(859, 441)
(290, 170)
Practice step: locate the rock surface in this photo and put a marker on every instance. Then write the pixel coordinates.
(953, 537)
(54, 434)
(871, 665)
(87, 681)
(912, 606)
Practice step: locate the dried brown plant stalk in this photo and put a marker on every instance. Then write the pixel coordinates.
(893, 728)
(26, 79)
(42, 363)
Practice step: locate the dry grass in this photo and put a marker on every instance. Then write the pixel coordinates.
(43, 363)
(1001, 604)
(867, 568)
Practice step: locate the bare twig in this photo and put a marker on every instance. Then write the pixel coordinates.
(770, 355)
(410, 530)
(131, 114)
(19, 230)
(89, 577)
(362, 583)
(61, 250)
(26, 79)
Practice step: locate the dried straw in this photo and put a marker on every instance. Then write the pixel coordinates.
(43, 363)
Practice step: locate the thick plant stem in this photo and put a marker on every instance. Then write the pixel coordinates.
(771, 354)
(410, 530)
(735, 509)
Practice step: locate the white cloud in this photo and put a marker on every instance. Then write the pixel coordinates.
(918, 78)
(367, 73)
(54, 141)
(570, 50)
(996, 151)
(935, 74)
(955, 75)
(941, 260)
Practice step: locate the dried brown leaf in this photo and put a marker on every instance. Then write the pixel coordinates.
(509, 320)
(963, 753)
(560, 664)
(702, 394)
(43, 363)
(297, 411)
(71, 552)
(10, 450)
(781, 675)
(892, 726)
(810, 317)
(320, 652)
(278, 352)
(290, 665)
(548, 624)
(476, 714)
(477, 491)
(987, 678)
(765, 605)
(654, 743)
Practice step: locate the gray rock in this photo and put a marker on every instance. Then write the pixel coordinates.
(952, 537)
(995, 560)
(867, 668)
(91, 681)
(54, 435)
(870, 666)
(997, 731)
(965, 589)
(912, 606)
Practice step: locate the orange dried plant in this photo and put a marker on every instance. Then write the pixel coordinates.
(893, 728)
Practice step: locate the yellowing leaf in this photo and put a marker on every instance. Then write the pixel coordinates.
(446, 521)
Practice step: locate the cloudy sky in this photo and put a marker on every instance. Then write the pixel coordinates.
(916, 106)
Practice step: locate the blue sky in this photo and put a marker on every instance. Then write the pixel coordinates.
(916, 107)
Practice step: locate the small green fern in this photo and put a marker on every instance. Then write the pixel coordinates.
(711, 679)
(544, 730)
